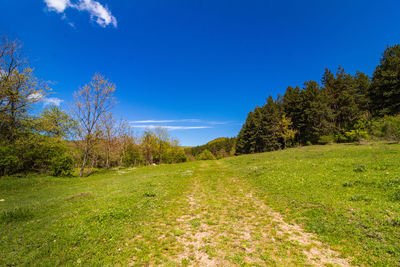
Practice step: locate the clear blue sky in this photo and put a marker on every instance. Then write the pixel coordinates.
(198, 66)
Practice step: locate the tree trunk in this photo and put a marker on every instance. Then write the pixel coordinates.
(108, 160)
(83, 163)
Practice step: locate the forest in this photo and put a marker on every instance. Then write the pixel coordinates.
(343, 108)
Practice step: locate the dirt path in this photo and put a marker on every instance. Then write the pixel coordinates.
(227, 225)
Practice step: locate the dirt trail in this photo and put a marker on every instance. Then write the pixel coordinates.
(227, 225)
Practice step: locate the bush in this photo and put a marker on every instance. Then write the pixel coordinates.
(9, 162)
(387, 128)
(61, 165)
(205, 155)
(326, 139)
(356, 135)
(35, 153)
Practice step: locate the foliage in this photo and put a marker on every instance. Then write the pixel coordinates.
(285, 132)
(219, 147)
(61, 165)
(205, 155)
(326, 139)
(385, 88)
(387, 128)
(35, 153)
(9, 161)
(55, 122)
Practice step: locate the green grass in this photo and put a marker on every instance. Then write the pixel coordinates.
(349, 195)
(103, 219)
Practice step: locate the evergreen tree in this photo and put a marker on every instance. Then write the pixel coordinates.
(385, 88)
(317, 116)
(271, 115)
(293, 107)
(342, 96)
(363, 84)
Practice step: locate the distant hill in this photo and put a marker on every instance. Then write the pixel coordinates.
(219, 147)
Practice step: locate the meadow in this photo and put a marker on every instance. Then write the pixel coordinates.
(314, 205)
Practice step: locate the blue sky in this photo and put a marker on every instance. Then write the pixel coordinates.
(197, 67)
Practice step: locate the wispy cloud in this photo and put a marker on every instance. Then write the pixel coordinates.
(182, 120)
(151, 124)
(98, 13)
(166, 121)
(169, 127)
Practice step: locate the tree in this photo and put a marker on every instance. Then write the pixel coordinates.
(56, 123)
(342, 93)
(271, 114)
(247, 137)
(285, 132)
(385, 87)
(163, 140)
(316, 118)
(92, 102)
(19, 89)
(149, 146)
(109, 134)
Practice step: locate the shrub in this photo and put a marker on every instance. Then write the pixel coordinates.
(387, 128)
(61, 165)
(326, 139)
(9, 162)
(205, 155)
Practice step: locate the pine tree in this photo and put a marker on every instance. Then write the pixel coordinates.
(293, 107)
(317, 116)
(342, 96)
(271, 114)
(385, 88)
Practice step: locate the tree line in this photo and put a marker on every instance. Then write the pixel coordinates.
(215, 149)
(55, 141)
(342, 108)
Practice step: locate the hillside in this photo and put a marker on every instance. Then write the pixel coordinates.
(334, 204)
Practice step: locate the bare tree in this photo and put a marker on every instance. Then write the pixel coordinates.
(92, 102)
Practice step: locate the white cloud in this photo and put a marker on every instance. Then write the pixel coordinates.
(52, 101)
(36, 97)
(146, 126)
(57, 5)
(98, 13)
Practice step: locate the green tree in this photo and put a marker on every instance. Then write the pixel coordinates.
(19, 90)
(56, 123)
(316, 118)
(205, 155)
(285, 132)
(385, 87)
(343, 96)
(270, 124)
(149, 146)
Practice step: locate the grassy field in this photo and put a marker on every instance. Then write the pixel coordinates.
(317, 205)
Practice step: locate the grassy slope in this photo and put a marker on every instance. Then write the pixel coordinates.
(349, 195)
(49, 229)
(344, 193)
